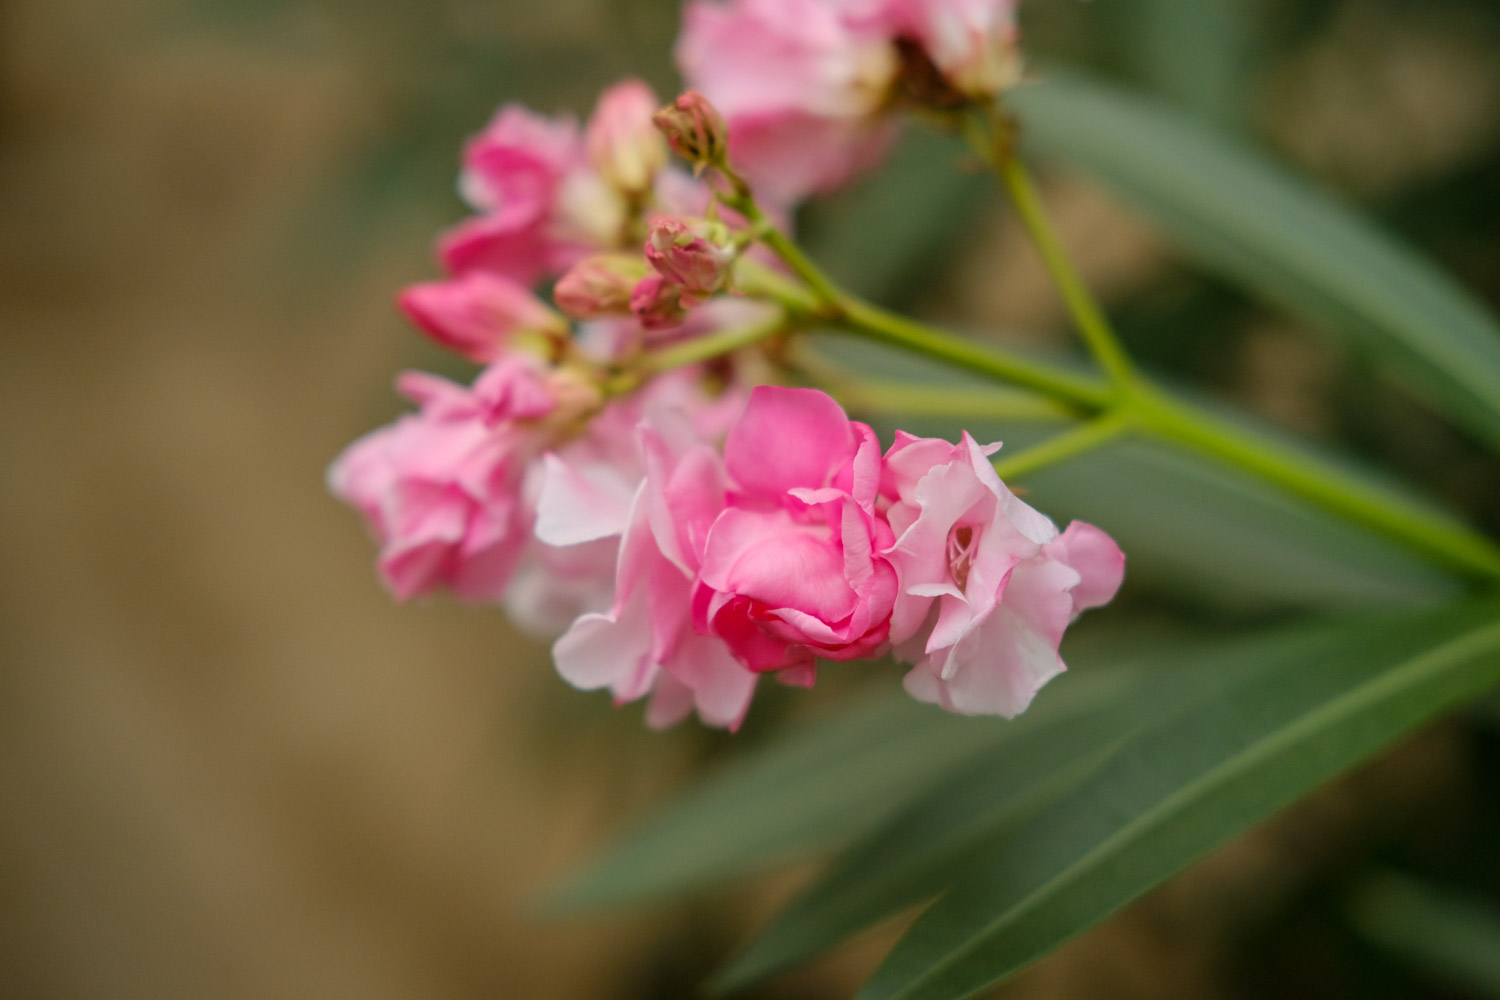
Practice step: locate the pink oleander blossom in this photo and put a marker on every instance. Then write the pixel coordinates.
(971, 43)
(798, 82)
(987, 585)
(623, 144)
(792, 568)
(804, 85)
(644, 643)
(478, 314)
(442, 489)
(550, 194)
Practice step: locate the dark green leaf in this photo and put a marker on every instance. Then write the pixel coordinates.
(1454, 937)
(1321, 700)
(831, 781)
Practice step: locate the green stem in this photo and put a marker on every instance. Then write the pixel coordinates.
(768, 233)
(1082, 438)
(908, 399)
(992, 138)
(707, 348)
(1079, 391)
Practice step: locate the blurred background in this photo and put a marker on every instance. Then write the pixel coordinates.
(231, 767)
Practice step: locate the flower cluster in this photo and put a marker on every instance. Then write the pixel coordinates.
(682, 529)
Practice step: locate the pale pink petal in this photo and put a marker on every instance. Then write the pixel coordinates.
(581, 503)
(1098, 560)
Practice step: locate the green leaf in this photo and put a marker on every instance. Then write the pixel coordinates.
(912, 856)
(1454, 937)
(1241, 214)
(828, 782)
(1319, 701)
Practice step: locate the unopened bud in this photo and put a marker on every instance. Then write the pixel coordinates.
(600, 285)
(576, 393)
(695, 254)
(657, 303)
(694, 129)
(479, 315)
(623, 143)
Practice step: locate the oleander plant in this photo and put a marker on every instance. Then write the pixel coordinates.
(654, 468)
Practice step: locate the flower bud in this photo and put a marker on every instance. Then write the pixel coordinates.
(600, 285)
(694, 129)
(623, 143)
(696, 255)
(576, 394)
(657, 303)
(479, 315)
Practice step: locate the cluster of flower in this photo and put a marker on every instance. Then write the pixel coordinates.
(685, 532)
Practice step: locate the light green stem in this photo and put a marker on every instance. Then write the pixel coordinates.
(714, 345)
(1080, 391)
(914, 400)
(1083, 438)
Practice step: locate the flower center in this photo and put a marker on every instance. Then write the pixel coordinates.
(961, 553)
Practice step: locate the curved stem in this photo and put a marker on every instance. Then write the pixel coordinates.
(715, 345)
(915, 400)
(991, 135)
(1082, 438)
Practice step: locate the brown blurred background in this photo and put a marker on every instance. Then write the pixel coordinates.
(229, 766)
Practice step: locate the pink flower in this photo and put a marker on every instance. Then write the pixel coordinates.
(799, 83)
(972, 43)
(624, 145)
(645, 643)
(442, 488)
(804, 85)
(478, 314)
(514, 172)
(792, 568)
(987, 585)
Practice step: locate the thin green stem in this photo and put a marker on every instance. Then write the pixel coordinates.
(914, 400)
(995, 145)
(1079, 391)
(767, 232)
(1069, 444)
(715, 345)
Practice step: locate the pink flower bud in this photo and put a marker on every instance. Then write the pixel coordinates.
(694, 129)
(478, 314)
(657, 303)
(623, 143)
(695, 255)
(600, 285)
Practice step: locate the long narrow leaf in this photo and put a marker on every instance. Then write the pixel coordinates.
(1318, 705)
(919, 851)
(1257, 223)
(1455, 937)
(820, 786)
